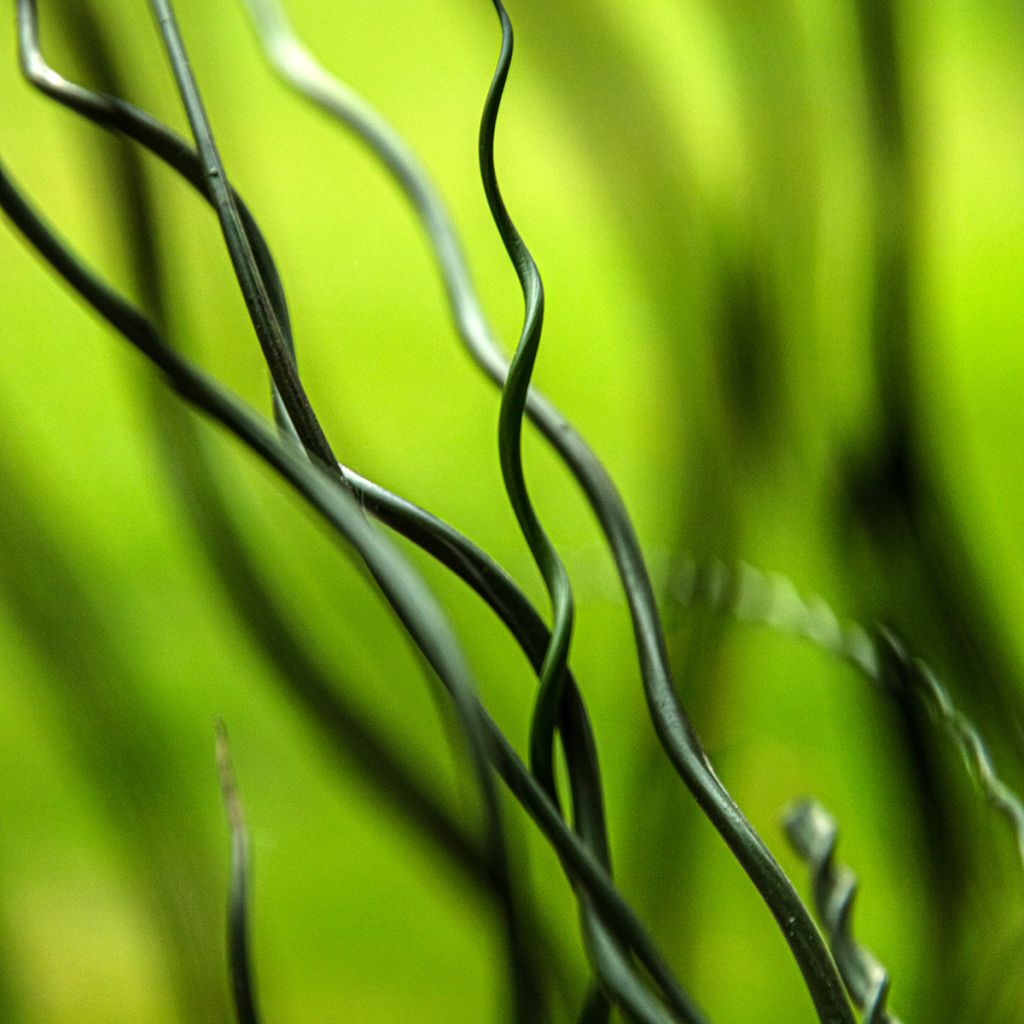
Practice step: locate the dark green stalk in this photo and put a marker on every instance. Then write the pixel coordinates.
(615, 974)
(403, 590)
(268, 329)
(307, 680)
(242, 983)
(496, 588)
(294, 62)
(510, 433)
(672, 726)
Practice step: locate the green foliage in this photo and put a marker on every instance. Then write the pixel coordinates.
(744, 257)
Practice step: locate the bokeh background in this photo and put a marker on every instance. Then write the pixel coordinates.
(783, 246)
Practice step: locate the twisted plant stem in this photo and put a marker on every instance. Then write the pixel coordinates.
(268, 328)
(242, 984)
(510, 431)
(676, 734)
(772, 599)
(413, 604)
(306, 678)
(813, 834)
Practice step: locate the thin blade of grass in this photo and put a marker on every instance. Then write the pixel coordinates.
(671, 723)
(510, 432)
(261, 311)
(402, 589)
(243, 985)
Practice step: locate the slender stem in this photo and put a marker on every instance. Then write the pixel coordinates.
(242, 983)
(261, 311)
(670, 720)
(510, 434)
(404, 591)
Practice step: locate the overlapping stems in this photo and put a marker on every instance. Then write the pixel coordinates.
(510, 430)
(405, 592)
(300, 68)
(268, 329)
(440, 540)
(525, 989)
(674, 729)
(411, 600)
(400, 585)
(322, 694)
(670, 720)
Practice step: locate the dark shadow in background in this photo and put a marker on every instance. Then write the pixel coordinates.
(910, 559)
(918, 574)
(98, 693)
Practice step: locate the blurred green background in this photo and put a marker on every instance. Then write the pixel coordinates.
(783, 247)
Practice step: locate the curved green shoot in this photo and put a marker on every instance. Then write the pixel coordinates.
(510, 431)
(400, 586)
(296, 65)
(242, 984)
(813, 833)
(261, 311)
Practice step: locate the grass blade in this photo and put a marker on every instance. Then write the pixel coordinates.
(295, 63)
(510, 432)
(413, 604)
(242, 983)
(261, 311)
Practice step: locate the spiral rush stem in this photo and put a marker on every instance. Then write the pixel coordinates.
(813, 833)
